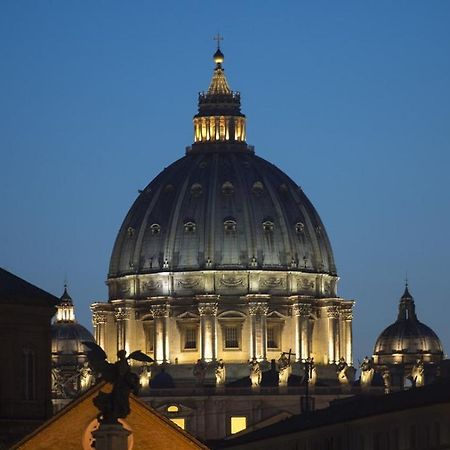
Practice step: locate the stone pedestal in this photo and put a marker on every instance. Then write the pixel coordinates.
(111, 437)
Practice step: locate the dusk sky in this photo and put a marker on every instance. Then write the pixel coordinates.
(349, 98)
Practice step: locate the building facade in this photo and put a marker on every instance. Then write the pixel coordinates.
(25, 340)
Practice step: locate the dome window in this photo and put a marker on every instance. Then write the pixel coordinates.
(299, 227)
(169, 188)
(227, 188)
(229, 225)
(258, 188)
(268, 226)
(190, 227)
(155, 228)
(130, 232)
(196, 190)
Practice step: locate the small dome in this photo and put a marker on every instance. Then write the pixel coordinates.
(407, 338)
(67, 338)
(67, 334)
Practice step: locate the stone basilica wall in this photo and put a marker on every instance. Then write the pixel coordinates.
(181, 317)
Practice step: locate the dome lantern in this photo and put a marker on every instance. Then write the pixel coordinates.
(219, 123)
(65, 311)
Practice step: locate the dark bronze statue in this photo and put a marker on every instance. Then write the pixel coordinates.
(114, 405)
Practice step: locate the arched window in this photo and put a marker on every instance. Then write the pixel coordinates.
(299, 227)
(155, 228)
(257, 188)
(227, 188)
(190, 227)
(229, 225)
(196, 190)
(268, 226)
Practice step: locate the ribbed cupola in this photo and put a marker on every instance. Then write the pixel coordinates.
(65, 311)
(219, 123)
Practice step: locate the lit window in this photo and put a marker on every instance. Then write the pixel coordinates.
(190, 227)
(173, 408)
(231, 337)
(229, 225)
(155, 228)
(238, 424)
(190, 339)
(268, 226)
(180, 421)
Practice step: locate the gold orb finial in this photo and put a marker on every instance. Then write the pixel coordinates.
(218, 56)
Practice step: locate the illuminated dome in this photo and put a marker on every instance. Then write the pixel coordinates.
(221, 207)
(407, 339)
(68, 335)
(222, 256)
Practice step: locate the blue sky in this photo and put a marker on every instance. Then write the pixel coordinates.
(350, 98)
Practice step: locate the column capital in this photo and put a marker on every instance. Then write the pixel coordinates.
(123, 313)
(301, 309)
(258, 308)
(160, 310)
(208, 308)
(332, 312)
(347, 314)
(99, 318)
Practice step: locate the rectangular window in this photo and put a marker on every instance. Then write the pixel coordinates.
(190, 339)
(149, 332)
(231, 337)
(273, 337)
(238, 423)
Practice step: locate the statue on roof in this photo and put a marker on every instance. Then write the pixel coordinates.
(220, 373)
(367, 372)
(199, 372)
(255, 372)
(114, 405)
(284, 368)
(417, 376)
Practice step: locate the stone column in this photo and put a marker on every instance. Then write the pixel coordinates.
(208, 330)
(301, 313)
(258, 329)
(346, 334)
(333, 333)
(161, 318)
(122, 316)
(99, 320)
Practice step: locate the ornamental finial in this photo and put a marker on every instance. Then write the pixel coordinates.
(218, 56)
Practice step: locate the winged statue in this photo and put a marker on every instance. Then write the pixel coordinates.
(114, 405)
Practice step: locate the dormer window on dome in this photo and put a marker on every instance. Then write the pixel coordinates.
(229, 225)
(155, 228)
(190, 227)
